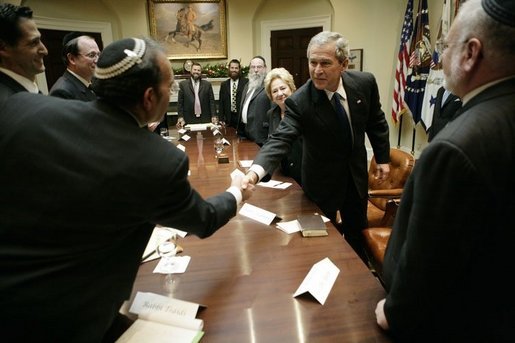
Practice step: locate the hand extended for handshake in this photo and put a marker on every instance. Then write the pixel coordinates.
(245, 184)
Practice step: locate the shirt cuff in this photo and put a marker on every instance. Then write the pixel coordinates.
(236, 192)
(260, 172)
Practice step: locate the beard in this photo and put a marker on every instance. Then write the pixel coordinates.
(256, 80)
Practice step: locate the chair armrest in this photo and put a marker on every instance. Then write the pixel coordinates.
(394, 193)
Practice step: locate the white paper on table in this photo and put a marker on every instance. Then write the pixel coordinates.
(216, 132)
(225, 141)
(172, 265)
(256, 213)
(181, 131)
(152, 332)
(289, 227)
(320, 280)
(275, 184)
(245, 163)
(185, 138)
(198, 127)
(181, 147)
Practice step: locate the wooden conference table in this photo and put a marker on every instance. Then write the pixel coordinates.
(247, 272)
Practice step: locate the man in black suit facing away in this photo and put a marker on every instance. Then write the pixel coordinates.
(21, 51)
(196, 100)
(446, 107)
(83, 185)
(231, 91)
(80, 54)
(448, 263)
(332, 112)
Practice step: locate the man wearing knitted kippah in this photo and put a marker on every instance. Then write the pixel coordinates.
(83, 186)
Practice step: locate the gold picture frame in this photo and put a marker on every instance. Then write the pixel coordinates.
(189, 29)
(356, 59)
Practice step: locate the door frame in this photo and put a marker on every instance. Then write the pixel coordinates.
(267, 26)
(71, 25)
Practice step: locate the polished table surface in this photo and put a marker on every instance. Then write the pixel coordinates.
(247, 272)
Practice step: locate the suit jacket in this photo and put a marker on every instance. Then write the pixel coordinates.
(451, 246)
(325, 165)
(186, 102)
(70, 87)
(443, 113)
(257, 119)
(9, 86)
(224, 101)
(291, 164)
(77, 210)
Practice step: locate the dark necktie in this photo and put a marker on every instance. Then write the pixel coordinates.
(233, 97)
(343, 119)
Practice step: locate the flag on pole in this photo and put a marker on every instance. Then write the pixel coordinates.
(398, 104)
(435, 78)
(420, 62)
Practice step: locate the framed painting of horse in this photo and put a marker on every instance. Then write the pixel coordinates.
(189, 29)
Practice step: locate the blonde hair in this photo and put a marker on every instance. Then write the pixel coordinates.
(278, 73)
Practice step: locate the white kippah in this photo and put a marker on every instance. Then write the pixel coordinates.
(131, 58)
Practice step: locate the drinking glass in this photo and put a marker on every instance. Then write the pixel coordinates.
(219, 145)
(168, 249)
(163, 132)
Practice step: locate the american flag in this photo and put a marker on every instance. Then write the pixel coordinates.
(420, 62)
(398, 106)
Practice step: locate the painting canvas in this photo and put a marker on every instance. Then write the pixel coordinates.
(189, 29)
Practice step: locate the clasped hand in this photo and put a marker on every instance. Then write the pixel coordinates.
(242, 184)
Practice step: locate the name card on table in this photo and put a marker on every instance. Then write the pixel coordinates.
(185, 138)
(258, 214)
(319, 281)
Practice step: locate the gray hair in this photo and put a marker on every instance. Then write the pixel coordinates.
(498, 39)
(342, 51)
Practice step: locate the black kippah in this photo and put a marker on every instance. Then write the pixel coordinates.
(502, 11)
(70, 36)
(119, 56)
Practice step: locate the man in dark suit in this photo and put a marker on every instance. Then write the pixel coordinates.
(80, 54)
(83, 185)
(252, 120)
(196, 100)
(448, 262)
(334, 160)
(446, 107)
(231, 90)
(21, 51)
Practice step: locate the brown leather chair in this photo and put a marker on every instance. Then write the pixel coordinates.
(384, 198)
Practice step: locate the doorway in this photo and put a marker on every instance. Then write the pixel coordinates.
(288, 50)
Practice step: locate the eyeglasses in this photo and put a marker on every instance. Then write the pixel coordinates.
(92, 55)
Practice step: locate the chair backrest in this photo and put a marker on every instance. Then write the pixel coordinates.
(401, 165)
